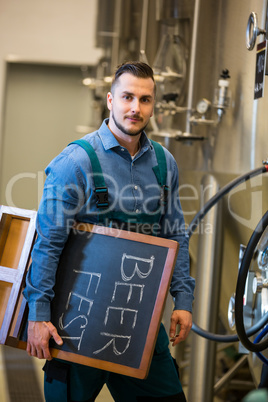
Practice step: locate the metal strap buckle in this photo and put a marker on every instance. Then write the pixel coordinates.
(102, 197)
(164, 195)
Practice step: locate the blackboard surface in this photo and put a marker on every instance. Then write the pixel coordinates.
(110, 292)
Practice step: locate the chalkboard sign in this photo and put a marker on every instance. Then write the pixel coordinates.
(110, 291)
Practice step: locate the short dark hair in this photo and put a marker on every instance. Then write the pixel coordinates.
(136, 68)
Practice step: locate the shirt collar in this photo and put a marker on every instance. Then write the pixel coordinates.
(109, 141)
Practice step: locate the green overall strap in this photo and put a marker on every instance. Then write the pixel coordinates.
(160, 170)
(100, 186)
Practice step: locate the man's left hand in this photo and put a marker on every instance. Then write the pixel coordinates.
(182, 318)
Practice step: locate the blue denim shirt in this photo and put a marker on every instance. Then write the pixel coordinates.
(69, 196)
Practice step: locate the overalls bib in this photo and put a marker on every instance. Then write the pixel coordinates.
(101, 190)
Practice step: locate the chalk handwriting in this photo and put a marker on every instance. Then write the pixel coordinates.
(79, 306)
(136, 270)
(82, 299)
(113, 342)
(82, 326)
(131, 286)
(123, 310)
(91, 274)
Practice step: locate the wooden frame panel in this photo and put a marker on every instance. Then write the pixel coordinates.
(17, 234)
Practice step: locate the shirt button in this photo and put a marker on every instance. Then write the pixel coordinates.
(137, 211)
(136, 187)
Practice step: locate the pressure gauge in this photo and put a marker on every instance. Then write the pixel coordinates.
(203, 106)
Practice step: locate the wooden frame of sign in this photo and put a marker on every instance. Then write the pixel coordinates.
(17, 234)
(115, 294)
(110, 294)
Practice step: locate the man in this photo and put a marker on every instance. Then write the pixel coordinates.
(127, 159)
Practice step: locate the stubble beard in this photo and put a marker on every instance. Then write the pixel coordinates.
(125, 131)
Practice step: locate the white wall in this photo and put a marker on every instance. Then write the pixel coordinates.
(46, 31)
(57, 31)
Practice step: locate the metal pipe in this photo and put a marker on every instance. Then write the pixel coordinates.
(192, 65)
(230, 374)
(116, 35)
(203, 351)
(144, 21)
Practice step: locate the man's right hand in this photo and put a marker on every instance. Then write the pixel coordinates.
(39, 333)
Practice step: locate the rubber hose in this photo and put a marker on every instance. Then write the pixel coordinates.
(203, 211)
(240, 288)
(229, 338)
(256, 340)
(194, 223)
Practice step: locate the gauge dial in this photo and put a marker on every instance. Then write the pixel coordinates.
(203, 106)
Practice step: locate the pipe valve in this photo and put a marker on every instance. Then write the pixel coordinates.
(259, 283)
(222, 94)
